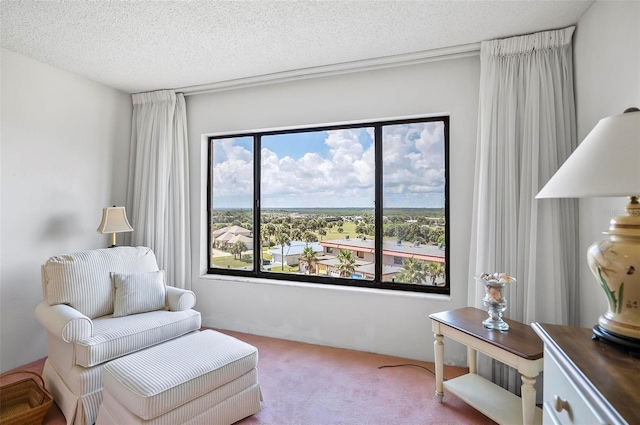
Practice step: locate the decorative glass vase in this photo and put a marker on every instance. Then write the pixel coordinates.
(494, 300)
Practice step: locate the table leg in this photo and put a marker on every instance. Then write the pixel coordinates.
(471, 359)
(528, 399)
(438, 349)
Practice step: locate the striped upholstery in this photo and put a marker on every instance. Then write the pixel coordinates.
(82, 280)
(80, 380)
(225, 405)
(178, 299)
(119, 336)
(77, 329)
(153, 382)
(64, 322)
(83, 335)
(138, 292)
(81, 409)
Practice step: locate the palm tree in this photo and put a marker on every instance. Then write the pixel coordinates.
(435, 270)
(371, 229)
(309, 257)
(308, 237)
(265, 235)
(238, 248)
(320, 228)
(414, 271)
(347, 263)
(282, 238)
(271, 231)
(361, 228)
(315, 224)
(322, 233)
(295, 234)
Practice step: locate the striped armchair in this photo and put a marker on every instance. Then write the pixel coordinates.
(100, 305)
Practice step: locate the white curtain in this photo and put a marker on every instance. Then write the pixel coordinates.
(526, 129)
(158, 191)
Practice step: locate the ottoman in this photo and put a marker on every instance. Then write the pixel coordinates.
(201, 378)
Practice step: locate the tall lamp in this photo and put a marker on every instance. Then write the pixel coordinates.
(607, 163)
(114, 220)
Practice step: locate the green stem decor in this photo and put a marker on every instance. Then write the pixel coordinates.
(616, 304)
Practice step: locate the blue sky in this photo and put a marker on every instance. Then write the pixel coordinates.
(334, 168)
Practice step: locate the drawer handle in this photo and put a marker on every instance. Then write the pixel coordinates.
(559, 404)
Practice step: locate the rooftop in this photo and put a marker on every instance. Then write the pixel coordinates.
(296, 248)
(389, 248)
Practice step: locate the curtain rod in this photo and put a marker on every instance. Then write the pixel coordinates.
(337, 69)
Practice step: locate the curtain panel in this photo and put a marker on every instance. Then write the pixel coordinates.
(526, 130)
(158, 190)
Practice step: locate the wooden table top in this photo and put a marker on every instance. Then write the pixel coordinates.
(614, 373)
(520, 339)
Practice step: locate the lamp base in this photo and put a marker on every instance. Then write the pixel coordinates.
(632, 346)
(615, 263)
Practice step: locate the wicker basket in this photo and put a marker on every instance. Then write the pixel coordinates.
(24, 402)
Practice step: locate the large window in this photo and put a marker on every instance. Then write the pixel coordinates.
(359, 205)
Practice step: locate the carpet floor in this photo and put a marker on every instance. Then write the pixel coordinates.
(306, 384)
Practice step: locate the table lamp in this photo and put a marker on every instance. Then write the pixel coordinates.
(607, 163)
(114, 220)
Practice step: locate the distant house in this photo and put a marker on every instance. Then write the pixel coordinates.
(228, 236)
(367, 272)
(315, 265)
(292, 252)
(394, 255)
(329, 267)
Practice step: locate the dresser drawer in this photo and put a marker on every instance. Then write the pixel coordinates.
(589, 381)
(563, 403)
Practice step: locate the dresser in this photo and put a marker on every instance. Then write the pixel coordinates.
(587, 381)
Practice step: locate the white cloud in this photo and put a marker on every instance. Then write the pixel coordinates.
(414, 158)
(343, 174)
(227, 150)
(232, 173)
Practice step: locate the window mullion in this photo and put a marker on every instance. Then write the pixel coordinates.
(257, 237)
(378, 202)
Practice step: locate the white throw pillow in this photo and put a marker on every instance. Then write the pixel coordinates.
(138, 292)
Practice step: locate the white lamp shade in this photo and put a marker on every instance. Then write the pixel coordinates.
(606, 163)
(114, 220)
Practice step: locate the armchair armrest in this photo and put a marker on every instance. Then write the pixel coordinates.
(64, 322)
(180, 299)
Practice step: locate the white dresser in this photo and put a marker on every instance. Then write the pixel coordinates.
(587, 381)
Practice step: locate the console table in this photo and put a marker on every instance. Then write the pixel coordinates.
(519, 347)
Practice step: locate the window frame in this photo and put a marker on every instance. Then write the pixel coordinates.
(377, 283)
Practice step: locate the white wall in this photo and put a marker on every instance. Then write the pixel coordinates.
(64, 156)
(607, 81)
(384, 322)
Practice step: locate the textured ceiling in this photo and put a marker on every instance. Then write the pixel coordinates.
(139, 46)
